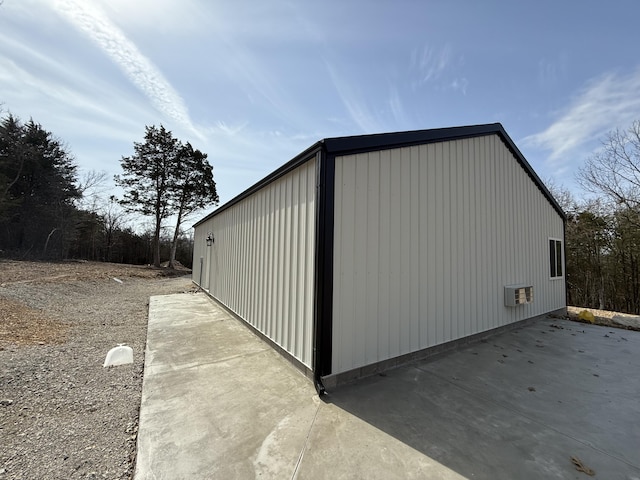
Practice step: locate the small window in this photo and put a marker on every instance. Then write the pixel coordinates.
(555, 258)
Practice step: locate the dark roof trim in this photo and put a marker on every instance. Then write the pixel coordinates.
(532, 174)
(295, 162)
(381, 141)
(338, 146)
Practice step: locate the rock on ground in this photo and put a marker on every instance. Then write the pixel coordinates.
(607, 318)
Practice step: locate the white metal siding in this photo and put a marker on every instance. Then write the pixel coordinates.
(426, 238)
(262, 261)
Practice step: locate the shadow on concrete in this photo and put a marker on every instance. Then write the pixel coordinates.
(519, 405)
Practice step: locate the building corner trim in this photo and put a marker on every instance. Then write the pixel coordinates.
(323, 288)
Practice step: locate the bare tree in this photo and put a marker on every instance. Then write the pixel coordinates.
(563, 196)
(92, 186)
(614, 171)
(114, 218)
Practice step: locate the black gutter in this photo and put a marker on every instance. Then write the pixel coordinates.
(564, 263)
(323, 291)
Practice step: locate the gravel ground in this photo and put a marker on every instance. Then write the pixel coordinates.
(62, 415)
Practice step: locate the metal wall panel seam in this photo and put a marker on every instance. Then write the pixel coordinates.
(423, 245)
(360, 253)
(305, 273)
(449, 204)
(497, 234)
(294, 266)
(439, 242)
(396, 265)
(456, 237)
(384, 238)
(347, 245)
(432, 242)
(483, 283)
(311, 238)
(465, 291)
(404, 333)
(373, 254)
(414, 258)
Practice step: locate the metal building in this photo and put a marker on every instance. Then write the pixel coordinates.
(366, 251)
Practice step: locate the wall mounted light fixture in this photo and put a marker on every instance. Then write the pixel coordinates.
(209, 239)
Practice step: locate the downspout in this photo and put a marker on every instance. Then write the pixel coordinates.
(323, 291)
(317, 382)
(564, 264)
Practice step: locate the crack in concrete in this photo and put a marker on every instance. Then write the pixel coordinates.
(306, 443)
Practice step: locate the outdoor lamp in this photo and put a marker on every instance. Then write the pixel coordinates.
(209, 239)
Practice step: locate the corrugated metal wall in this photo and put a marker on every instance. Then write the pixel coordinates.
(261, 264)
(426, 238)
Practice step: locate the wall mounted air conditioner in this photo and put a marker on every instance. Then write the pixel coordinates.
(515, 295)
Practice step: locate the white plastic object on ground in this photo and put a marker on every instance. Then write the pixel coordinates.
(120, 355)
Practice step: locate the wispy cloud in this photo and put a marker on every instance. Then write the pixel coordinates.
(553, 71)
(356, 107)
(605, 103)
(94, 23)
(256, 79)
(397, 108)
(547, 73)
(437, 67)
(430, 62)
(168, 16)
(64, 90)
(230, 130)
(460, 85)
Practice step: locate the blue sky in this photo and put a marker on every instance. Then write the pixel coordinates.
(253, 83)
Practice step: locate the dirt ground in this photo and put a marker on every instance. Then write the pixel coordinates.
(62, 415)
(24, 325)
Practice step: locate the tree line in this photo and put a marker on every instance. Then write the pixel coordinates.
(49, 211)
(602, 231)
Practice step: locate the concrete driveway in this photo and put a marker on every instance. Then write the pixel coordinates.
(218, 402)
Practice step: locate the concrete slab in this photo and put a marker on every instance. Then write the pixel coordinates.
(219, 403)
(342, 445)
(185, 331)
(517, 406)
(216, 402)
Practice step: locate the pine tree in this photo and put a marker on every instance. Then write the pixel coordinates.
(147, 179)
(193, 188)
(38, 188)
(165, 178)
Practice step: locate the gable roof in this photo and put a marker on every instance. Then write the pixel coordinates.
(381, 141)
